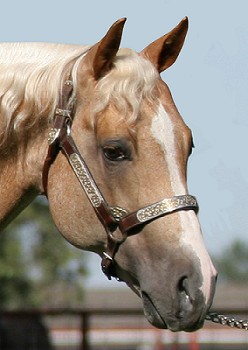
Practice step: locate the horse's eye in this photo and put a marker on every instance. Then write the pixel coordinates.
(115, 152)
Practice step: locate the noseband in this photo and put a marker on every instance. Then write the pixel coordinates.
(117, 221)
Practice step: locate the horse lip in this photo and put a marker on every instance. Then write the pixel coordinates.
(151, 312)
(176, 323)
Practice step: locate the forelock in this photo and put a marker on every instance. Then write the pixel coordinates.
(131, 80)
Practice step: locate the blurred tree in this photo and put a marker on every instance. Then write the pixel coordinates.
(232, 264)
(38, 266)
(15, 287)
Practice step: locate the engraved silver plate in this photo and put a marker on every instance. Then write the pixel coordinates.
(52, 135)
(86, 181)
(167, 205)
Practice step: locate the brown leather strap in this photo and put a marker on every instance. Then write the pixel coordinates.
(98, 202)
(53, 148)
(62, 116)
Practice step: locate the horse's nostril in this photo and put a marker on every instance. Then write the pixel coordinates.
(183, 285)
(185, 304)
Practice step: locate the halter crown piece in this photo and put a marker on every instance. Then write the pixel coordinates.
(117, 221)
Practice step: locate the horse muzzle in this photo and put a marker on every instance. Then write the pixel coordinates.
(183, 310)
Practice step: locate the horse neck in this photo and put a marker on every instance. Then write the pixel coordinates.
(21, 173)
(20, 178)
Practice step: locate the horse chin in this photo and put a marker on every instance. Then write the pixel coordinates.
(150, 311)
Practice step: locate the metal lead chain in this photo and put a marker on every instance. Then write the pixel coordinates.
(227, 321)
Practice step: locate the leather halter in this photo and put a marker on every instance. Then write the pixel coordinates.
(117, 221)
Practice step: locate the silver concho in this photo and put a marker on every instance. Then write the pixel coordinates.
(118, 213)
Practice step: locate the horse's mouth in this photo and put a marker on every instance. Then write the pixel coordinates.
(151, 312)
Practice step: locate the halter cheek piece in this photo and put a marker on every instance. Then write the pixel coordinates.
(118, 222)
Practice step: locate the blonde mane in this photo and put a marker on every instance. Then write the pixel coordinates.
(31, 75)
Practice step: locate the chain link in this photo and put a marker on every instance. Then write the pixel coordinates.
(227, 321)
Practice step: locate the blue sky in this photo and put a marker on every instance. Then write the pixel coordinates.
(209, 83)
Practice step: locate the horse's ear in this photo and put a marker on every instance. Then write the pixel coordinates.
(163, 52)
(101, 55)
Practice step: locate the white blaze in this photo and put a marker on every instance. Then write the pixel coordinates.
(163, 131)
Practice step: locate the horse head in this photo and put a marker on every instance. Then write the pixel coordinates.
(135, 143)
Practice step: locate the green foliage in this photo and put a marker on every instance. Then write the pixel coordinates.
(38, 266)
(14, 281)
(232, 265)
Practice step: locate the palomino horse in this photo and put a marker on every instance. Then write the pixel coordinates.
(106, 109)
